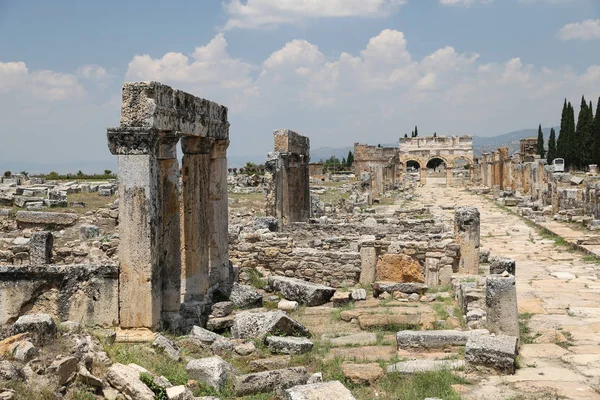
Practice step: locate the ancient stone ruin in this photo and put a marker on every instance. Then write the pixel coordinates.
(155, 274)
(287, 192)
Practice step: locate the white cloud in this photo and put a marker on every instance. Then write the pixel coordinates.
(270, 13)
(91, 71)
(585, 30)
(45, 85)
(464, 3)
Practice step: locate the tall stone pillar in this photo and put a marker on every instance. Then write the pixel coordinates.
(423, 172)
(170, 236)
(218, 214)
(449, 176)
(502, 315)
(467, 234)
(140, 277)
(196, 234)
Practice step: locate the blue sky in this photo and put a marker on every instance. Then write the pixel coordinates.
(339, 71)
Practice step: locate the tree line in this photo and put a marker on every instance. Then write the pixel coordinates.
(578, 144)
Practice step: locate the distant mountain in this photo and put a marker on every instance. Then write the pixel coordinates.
(510, 140)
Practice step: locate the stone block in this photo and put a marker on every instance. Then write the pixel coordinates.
(204, 336)
(269, 381)
(211, 371)
(326, 390)
(362, 374)
(88, 231)
(421, 366)
(26, 219)
(287, 305)
(434, 339)
(497, 352)
(288, 344)
(500, 264)
(248, 325)
(303, 292)
(404, 287)
(41, 327)
(359, 294)
(63, 369)
(267, 364)
(40, 248)
(502, 315)
(244, 296)
(168, 347)
(398, 268)
(222, 309)
(126, 380)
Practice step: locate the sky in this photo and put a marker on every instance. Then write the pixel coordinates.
(338, 71)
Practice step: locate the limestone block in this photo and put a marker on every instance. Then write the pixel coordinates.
(467, 234)
(500, 264)
(27, 219)
(435, 339)
(303, 292)
(398, 268)
(126, 380)
(168, 347)
(287, 305)
(179, 393)
(222, 309)
(362, 374)
(24, 351)
(41, 327)
(212, 371)
(357, 339)
(359, 294)
(248, 324)
(404, 287)
(63, 369)
(267, 364)
(244, 296)
(88, 231)
(497, 352)
(326, 390)
(40, 248)
(269, 381)
(288, 345)
(501, 305)
(420, 366)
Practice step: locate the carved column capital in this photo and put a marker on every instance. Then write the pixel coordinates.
(132, 141)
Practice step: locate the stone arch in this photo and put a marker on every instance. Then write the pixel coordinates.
(433, 174)
(463, 158)
(465, 176)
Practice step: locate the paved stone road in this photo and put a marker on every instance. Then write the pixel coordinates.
(557, 286)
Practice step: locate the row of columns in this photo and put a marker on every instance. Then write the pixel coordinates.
(168, 253)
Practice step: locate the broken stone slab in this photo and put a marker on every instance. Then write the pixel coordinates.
(391, 287)
(179, 393)
(370, 321)
(419, 366)
(211, 371)
(28, 219)
(288, 344)
(497, 352)
(244, 296)
(270, 363)
(501, 264)
(325, 390)
(24, 351)
(269, 381)
(86, 377)
(317, 377)
(362, 374)
(359, 294)
(340, 299)
(307, 293)
(435, 339)
(205, 336)
(287, 305)
(126, 380)
(41, 327)
(576, 180)
(168, 347)
(248, 325)
(398, 268)
(220, 324)
(222, 309)
(23, 201)
(357, 339)
(88, 231)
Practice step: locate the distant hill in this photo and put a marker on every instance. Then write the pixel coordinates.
(510, 140)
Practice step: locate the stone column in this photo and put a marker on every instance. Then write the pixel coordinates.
(423, 172)
(368, 262)
(501, 305)
(449, 176)
(40, 248)
(140, 277)
(195, 193)
(170, 235)
(218, 214)
(466, 232)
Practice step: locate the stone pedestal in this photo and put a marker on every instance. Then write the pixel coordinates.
(467, 234)
(40, 248)
(501, 305)
(368, 260)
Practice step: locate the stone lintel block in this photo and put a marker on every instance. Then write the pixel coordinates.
(497, 352)
(41, 218)
(287, 141)
(435, 339)
(154, 105)
(139, 141)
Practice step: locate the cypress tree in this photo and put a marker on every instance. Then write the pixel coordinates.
(551, 146)
(540, 142)
(350, 159)
(416, 131)
(570, 139)
(405, 135)
(562, 133)
(581, 135)
(596, 134)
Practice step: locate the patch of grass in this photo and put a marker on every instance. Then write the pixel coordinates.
(525, 336)
(336, 314)
(441, 311)
(255, 278)
(159, 364)
(24, 391)
(590, 258)
(159, 391)
(559, 241)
